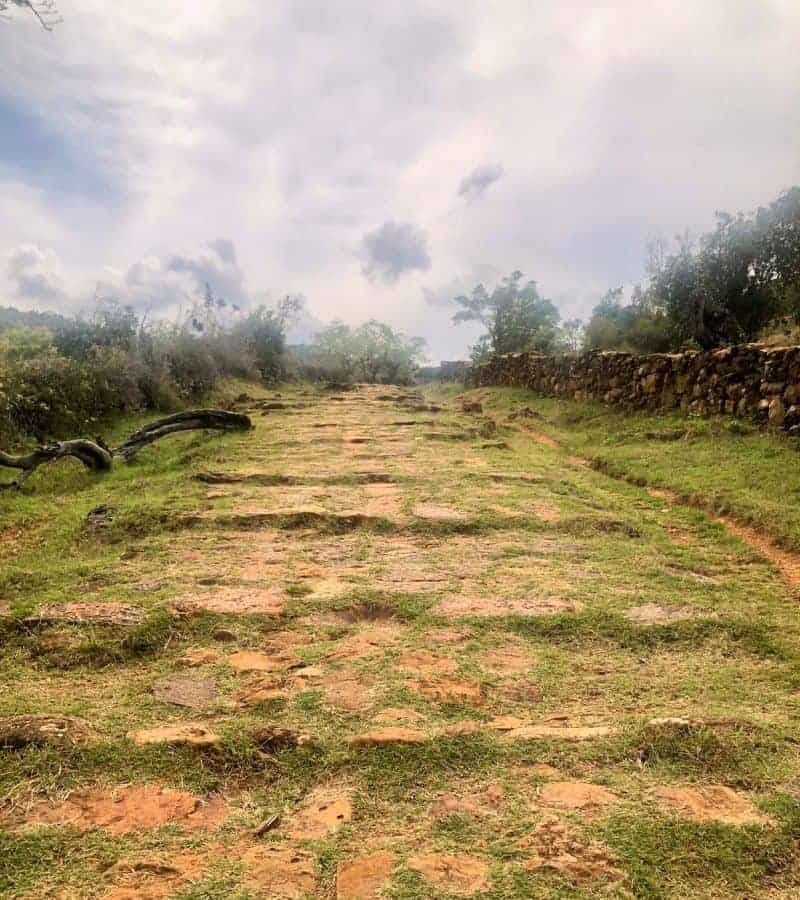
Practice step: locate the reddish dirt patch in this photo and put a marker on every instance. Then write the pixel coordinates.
(369, 642)
(282, 873)
(655, 614)
(576, 795)
(454, 873)
(786, 562)
(507, 660)
(426, 663)
(539, 437)
(182, 690)
(543, 770)
(553, 845)
(449, 690)
(234, 601)
(350, 693)
(462, 729)
(504, 606)
(364, 877)
(563, 732)
(381, 737)
(152, 878)
(110, 614)
(129, 809)
(253, 661)
(394, 715)
(713, 802)
(200, 656)
(473, 805)
(190, 734)
(325, 810)
(260, 690)
(547, 512)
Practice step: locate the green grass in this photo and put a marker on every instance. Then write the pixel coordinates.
(532, 524)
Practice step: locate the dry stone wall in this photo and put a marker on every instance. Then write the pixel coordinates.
(748, 381)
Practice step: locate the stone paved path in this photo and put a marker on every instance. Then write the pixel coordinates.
(410, 654)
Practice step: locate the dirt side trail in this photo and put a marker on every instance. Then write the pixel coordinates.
(388, 649)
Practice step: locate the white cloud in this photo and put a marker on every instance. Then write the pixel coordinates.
(292, 128)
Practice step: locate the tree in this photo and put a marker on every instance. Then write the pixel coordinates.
(516, 317)
(571, 335)
(637, 327)
(374, 352)
(45, 11)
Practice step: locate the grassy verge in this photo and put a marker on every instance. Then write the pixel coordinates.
(727, 465)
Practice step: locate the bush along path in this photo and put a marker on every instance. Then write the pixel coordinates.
(380, 646)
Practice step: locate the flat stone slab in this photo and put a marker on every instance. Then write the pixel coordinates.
(655, 614)
(199, 656)
(713, 802)
(488, 607)
(559, 732)
(120, 614)
(254, 661)
(234, 601)
(576, 795)
(434, 513)
(128, 809)
(192, 734)
(186, 690)
(384, 736)
(453, 873)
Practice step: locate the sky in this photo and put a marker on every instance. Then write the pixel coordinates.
(380, 158)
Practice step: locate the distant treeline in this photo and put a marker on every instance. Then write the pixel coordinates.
(732, 285)
(62, 376)
(735, 284)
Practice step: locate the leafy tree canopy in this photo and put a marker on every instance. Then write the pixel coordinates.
(515, 315)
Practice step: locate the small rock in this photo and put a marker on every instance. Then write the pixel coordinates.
(129, 808)
(555, 846)
(560, 732)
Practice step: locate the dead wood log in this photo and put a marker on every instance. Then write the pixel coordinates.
(98, 457)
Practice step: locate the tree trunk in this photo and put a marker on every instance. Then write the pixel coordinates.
(98, 457)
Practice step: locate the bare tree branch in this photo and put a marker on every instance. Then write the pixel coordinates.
(98, 457)
(45, 11)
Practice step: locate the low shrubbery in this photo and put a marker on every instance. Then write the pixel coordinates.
(65, 378)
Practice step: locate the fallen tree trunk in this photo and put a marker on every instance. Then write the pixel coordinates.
(98, 457)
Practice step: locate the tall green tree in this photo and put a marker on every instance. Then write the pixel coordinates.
(515, 315)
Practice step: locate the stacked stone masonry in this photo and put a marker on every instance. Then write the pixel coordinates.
(747, 381)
